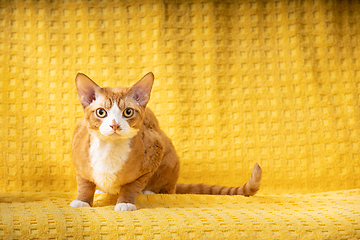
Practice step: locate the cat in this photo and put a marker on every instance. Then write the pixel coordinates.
(120, 149)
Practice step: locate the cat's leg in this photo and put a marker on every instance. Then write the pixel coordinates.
(129, 193)
(165, 177)
(85, 193)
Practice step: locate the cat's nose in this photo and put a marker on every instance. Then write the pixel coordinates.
(115, 126)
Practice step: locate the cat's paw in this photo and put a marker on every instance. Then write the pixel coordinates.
(99, 192)
(78, 203)
(125, 207)
(147, 192)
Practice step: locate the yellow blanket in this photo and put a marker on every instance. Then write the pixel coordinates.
(237, 82)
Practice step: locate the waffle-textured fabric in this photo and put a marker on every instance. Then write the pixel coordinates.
(237, 82)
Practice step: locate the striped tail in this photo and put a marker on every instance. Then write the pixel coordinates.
(248, 189)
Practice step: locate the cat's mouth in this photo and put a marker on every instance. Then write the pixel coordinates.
(123, 134)
(117, 135)
(114, 135)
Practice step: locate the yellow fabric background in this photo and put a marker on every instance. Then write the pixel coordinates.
(237, 82)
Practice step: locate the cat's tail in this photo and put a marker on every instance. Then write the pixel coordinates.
(248, 189)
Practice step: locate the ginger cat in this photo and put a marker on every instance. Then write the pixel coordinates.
(120, 149)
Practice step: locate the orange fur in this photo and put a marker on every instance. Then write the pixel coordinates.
(248, 189)
(140, 158)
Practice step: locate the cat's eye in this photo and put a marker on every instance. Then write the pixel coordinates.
(128, 112)
(101, 113)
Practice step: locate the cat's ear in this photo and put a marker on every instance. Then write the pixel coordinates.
(140, 91)
(86, 88)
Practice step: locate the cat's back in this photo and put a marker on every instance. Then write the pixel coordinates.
(152, 129)
(150, 120)
(81, 138)
(80, 130)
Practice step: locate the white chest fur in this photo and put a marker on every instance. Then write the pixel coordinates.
(107, 158)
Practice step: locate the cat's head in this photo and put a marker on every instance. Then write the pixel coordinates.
(114, 113)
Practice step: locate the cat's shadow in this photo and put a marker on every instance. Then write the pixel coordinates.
(148, 201)
(172, 200)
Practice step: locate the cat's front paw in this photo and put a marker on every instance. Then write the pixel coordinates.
(78, 203)
(125, 207)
